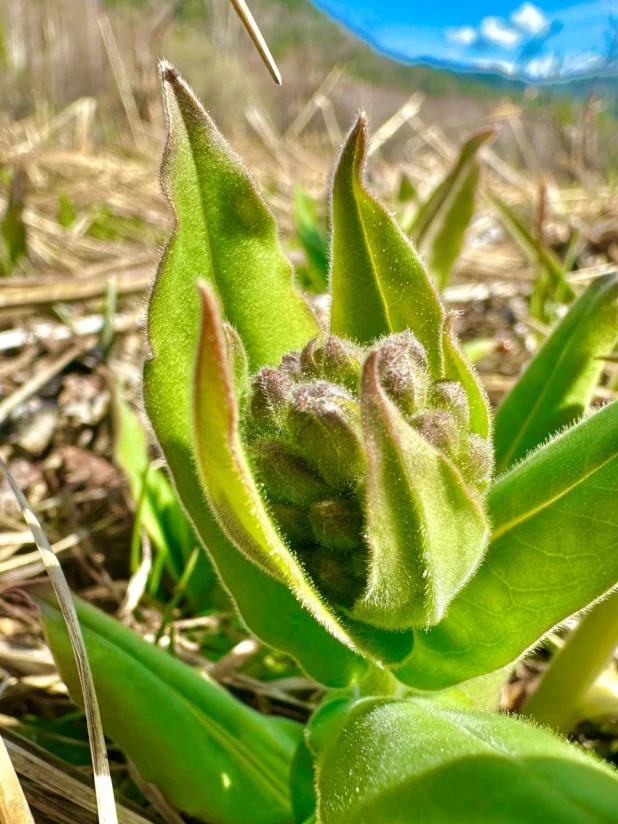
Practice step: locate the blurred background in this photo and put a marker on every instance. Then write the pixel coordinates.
(82, 223)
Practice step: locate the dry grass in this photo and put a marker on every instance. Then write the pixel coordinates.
(94, 216)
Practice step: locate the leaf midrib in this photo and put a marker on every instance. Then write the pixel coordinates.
(531, 513)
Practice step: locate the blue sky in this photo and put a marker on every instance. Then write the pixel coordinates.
(539, 41)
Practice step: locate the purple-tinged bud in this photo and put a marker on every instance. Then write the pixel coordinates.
(403, 372)
(324, 423)
(293, 523)
(286, 477)
(333, 359)
(270, 397)
(336, 577)
(451, 396)
(439, 428)
(290, 365)
(337, 525)
(477, 461)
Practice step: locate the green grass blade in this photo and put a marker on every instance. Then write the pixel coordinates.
(552, 269)
(159, 511)
(441, 222)
(313, 241)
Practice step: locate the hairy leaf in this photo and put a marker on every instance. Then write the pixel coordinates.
(397, 761)
(378, 283)
(425, 527)
(235, 498)
(553, 552)
(211, 755)
(557, 387)
(441, 222)
(225, 234)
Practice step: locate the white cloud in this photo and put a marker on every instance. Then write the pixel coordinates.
(464, 36)
(540, 68)
(496, 31)
(530, 19)
(495, 64)
(584, 63)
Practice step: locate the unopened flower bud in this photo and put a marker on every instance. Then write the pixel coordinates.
(337, 525)
(286, 476)
(293, 523)
(290, 365)
(439, 428)
(478, 461)
(333, 359)
(335, 577)
(403, 371)
(324, 421)
(271, 391)
(451, 396)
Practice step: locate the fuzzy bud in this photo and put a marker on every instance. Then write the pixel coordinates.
(478, 461)
(293, 523)
(439, 428)
(287, 477)
(333, 359)
(375, 482)
(451, 396)
(324, 421)
(403, 371)
(269, 400)
(337, 525)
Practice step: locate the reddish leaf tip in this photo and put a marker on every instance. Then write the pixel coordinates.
(168, 73)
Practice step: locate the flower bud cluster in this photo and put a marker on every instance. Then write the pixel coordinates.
(303, 429)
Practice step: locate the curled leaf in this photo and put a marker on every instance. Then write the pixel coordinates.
(426, 527)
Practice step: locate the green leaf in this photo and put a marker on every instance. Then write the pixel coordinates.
(215, 200)
(378, 283)
(553, 552)
(479, 348)
(441, 222)
(161, 515)
(212, 756)
(398, 761)
(557, 387)
(225, 234)
(301, 783)
(236, 500)
(426, 529)
(407, 189)
(458, 368)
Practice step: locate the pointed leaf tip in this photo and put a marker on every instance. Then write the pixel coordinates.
(379, 285)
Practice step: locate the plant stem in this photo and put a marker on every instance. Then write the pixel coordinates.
(380, 682)
(558, 699)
